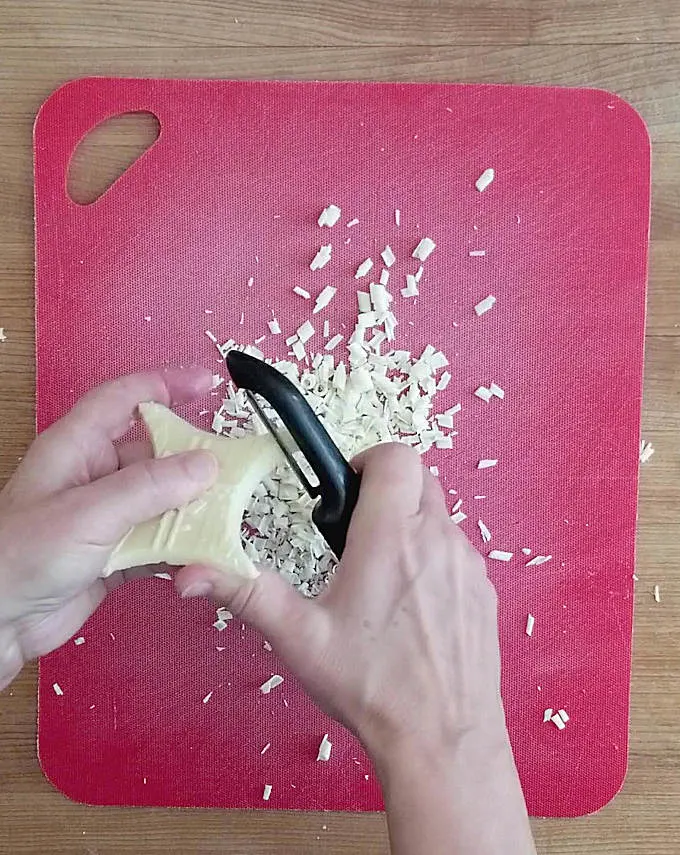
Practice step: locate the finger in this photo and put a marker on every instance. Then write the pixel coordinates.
(78, 448)
(109, 507)
(133, 452)
(432, 500)
(391, 484)
(290, 621)
(108, 410)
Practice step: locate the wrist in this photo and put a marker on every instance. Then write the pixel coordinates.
(485, 749)
(463, 796)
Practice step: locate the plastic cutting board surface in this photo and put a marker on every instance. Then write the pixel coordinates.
(232, 190)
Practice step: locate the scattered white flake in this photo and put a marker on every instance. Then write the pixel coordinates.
(364, 301)
(271, 683)
(457, 506)
(274, 327)
(424, 248)
(531, 620)
(484, 305)
(325, 747)
(299, 350)
(260, 339)
(78, 641)
(547, 715)
(324, 298)
(539, 559)
(384, 277)
(497, 391)
(388, 256)
(477, 253)
(351, 223)
(364, 268)
(563, 715)
(224, 614)
(418, 275)
(211, 336)
(242, 319)
(332, 343)
(267, 792)
(57, 689)
(207, 697)
(657, 593)
(435, 471)
(266, 748)
(438, 360)
(329, 216)
(458, 517)
(526, 550)
(267, 646)
(305, 332)
(322, 258)
(500, 555)
(397, 217)
(486, 464)
(326, 329)
(479, 497)
(484, 393)
(484, 531)
(557, 721)
(411, 289)
(444, 381)
(485, 179)
(3, 337)
(646, 451)
(375, 395)
(302, 293)
(220, 625)
(251, 282)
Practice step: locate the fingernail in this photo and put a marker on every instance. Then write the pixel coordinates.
(198, 589)
(202, 466)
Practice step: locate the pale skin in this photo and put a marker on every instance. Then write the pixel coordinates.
(402, 648)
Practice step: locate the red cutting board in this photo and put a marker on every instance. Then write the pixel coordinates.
(231, 190)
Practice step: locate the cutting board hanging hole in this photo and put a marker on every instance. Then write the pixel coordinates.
(107, 152)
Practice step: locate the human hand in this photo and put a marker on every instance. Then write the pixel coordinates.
(404, 640)
(74, 495)
(403, 649)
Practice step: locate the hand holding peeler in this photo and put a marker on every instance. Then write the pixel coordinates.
(338, 487)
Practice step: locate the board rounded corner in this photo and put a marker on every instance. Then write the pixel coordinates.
(634, 116)
(55, 97)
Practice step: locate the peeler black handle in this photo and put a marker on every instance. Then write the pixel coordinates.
(338, 486)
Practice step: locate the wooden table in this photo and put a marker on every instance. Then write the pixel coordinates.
(631, 48)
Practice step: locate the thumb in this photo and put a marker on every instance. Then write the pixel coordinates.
(112, 505)
(294, 624)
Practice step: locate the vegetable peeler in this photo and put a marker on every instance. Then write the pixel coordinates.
(338, 487)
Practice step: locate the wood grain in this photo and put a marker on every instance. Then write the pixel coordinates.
(156, 23)
(632, 48)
